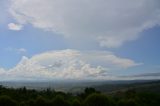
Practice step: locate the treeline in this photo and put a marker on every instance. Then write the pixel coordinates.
(90, 97)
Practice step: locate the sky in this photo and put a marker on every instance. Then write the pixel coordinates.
(79, 40)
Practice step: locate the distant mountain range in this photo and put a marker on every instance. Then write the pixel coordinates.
(79, 86)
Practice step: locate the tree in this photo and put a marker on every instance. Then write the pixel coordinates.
(7, 101)
(40, 101)
(76, 102)
(30, 103)
(59, 101)
(98, 100)
(90, 91)
(126, 102)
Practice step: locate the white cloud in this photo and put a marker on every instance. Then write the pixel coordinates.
(21, 50)
(13, 26)
(2, 71)
(109, 22)
(16, 50)
(67, 64)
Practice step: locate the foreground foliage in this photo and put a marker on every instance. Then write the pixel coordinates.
(90, 97)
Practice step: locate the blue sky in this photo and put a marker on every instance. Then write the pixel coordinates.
(103, 40)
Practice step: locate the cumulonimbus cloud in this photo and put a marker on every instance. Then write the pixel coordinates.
(111, 23)
(67, 64)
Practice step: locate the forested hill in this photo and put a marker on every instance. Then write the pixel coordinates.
(148, 86)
